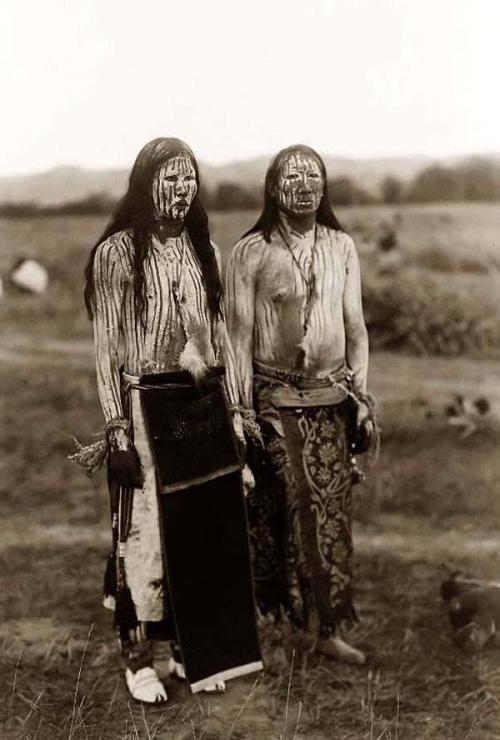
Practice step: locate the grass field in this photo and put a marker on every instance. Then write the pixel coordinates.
(450, 257)
(429, 504)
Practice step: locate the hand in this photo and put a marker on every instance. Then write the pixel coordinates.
(124, 463)
(363, 413)
(248, 480)
(238, 427)
(365, 429)
(119, 439)
(364, 420)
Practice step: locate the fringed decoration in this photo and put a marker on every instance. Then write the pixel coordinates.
(251, 427)
(90, 456)
(192, 361)
(119, 422)
(125, 614)
(109, 587)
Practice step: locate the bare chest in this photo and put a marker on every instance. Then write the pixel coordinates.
(285, 278)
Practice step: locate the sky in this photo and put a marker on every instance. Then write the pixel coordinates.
(88, 82)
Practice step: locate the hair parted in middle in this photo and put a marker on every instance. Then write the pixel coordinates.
(270, 212)
(136, 211)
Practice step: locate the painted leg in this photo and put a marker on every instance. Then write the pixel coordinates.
(338, 649)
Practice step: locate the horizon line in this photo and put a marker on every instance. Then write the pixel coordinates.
(232, 162)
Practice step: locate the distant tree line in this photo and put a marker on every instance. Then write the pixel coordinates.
(476, 179)
(92, 205)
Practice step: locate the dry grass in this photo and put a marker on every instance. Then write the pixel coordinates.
(431, 501)
(59, 675)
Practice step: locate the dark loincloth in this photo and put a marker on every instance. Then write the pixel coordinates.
(204, 536)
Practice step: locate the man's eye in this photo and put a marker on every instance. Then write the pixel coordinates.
(315, 175)
(170, 178)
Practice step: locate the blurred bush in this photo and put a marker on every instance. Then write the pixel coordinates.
(476, 179)
(93, 205)
(422, 313)
(437, 259)
(231, 196)
(345, 191)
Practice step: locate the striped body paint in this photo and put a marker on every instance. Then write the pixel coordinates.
(293, 303)
(266, 299)
(174, 188)
(293, 294)
(300, 185)
(156, 344)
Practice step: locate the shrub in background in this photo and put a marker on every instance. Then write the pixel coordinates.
(421, 313)
(437, 259)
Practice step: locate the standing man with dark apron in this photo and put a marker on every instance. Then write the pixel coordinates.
(180, 566)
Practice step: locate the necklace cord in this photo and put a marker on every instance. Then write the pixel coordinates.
(309, 280)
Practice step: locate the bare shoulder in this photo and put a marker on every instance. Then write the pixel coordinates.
(116, 252)
(342, 241)
(343, 244)
(248, 252)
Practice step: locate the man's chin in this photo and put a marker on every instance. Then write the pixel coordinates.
(179, 214)
(302, 211)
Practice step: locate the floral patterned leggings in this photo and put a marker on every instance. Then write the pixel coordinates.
(300, 512)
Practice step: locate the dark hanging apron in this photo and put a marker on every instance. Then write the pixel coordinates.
(204, 526)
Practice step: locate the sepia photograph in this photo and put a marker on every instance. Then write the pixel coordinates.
(250, 370)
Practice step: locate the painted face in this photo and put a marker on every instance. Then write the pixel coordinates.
(300, 185)
(174, 188)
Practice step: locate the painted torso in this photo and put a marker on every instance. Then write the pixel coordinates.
(281, 298)
(156, 343)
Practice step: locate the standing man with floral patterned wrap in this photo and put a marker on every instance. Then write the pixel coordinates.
(294, 311)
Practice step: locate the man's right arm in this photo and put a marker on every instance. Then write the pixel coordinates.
(240, 313)
(107, 309)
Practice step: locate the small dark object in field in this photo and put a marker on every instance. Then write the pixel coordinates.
(482, 405)
(388, 239)
(473, 609)
(473, 415)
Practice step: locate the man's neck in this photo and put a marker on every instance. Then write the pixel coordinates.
(297, 225)
(167, 228)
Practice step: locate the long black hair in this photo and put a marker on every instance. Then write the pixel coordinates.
(270, 213)
(136, 212)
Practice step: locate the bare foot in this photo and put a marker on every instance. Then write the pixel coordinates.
(275, 660)
(335, 647)
(177, 669)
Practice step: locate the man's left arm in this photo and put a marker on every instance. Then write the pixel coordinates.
(354, 322)
(227, 355)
